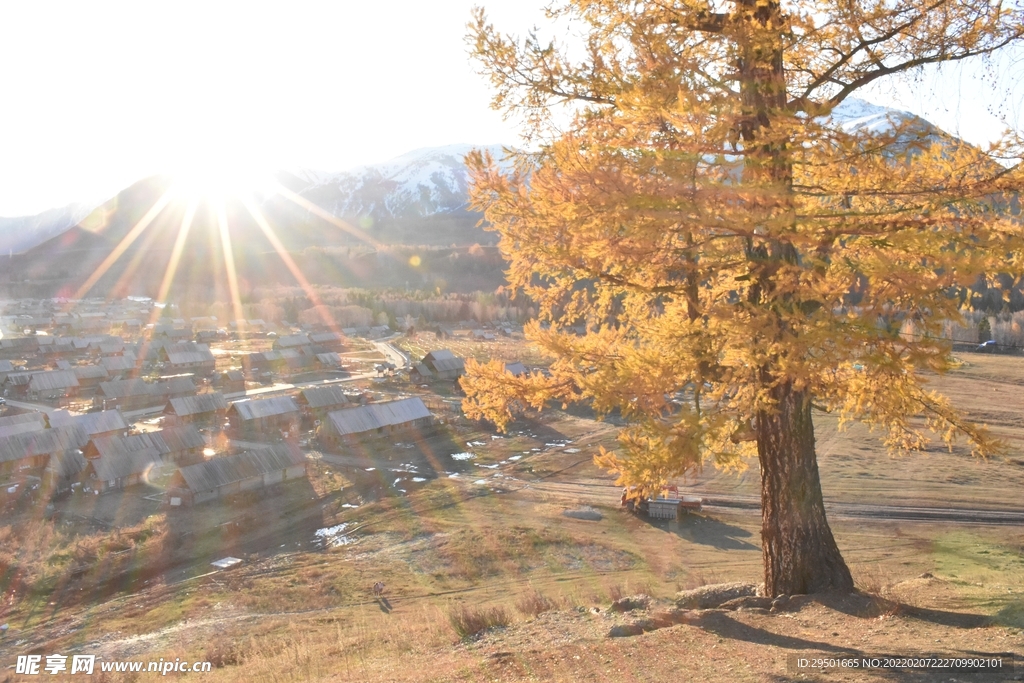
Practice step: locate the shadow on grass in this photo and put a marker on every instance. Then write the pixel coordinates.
(897, 676)
(724, 626)
(385, 605)
(867, 606)
(706, 531)
(1011, 615)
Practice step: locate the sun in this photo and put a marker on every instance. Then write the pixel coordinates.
(219, 181)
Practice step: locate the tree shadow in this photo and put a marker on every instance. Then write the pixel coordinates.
(536, 429)
(706, 530)
(868, 606)
(861, 606)
(724, 626)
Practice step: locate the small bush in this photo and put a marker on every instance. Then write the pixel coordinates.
(222, 653)
(698, 580)
(1012, 615)
(619, 591)
(470, 621)
(535, 603)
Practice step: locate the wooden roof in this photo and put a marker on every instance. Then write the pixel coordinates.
(197, 405)
(376, 415)
(93, 423)
(292, 340)
(323, 397)
(45, 442)
(183, 438)
(189, 354)
(21, 424)
(121, 461)
(163, 442)
(53, 380)
(213, 474)
(265, 407)
(124, 388)
(516, 369)
(90, 372)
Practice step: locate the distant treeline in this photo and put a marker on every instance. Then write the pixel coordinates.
(354, 307)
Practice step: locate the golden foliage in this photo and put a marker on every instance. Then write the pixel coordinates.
(702, 230)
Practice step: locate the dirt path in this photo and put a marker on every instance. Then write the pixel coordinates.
(608, 494)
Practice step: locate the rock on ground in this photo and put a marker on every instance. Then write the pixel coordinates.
(630, 603)
(589, 514)
(707, 597)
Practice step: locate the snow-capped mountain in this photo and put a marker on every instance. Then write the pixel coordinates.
(854, 115)
(20, 233)
(424, 182)
(419, 197)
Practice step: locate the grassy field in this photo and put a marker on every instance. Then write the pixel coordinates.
(503, 348)
(487, 579)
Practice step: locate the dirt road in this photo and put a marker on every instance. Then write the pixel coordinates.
(609, 495)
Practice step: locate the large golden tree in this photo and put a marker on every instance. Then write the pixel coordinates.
(699, 228)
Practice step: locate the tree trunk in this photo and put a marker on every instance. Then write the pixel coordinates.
(800, 554)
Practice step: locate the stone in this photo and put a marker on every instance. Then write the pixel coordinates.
(707, 597)
(631, 603)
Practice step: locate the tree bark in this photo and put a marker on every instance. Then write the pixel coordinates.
(800, 554)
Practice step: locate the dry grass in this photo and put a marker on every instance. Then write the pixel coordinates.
(622, 590)
(503, 349)
(469, 622)
(698, 579)
(516, 562)
(38, 556)
(532, 603)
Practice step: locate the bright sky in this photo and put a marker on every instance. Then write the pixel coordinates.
(96, 95)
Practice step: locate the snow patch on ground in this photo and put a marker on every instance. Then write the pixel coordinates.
(332, 536)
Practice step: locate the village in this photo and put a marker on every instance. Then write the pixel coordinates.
(224, 481)
(107, 420)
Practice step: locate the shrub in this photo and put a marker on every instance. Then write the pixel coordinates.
(470, 621)
(535, 603)
(223, 652)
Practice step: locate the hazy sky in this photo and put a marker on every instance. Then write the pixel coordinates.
(94, 95)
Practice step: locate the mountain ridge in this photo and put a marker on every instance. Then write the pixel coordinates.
(423, 182)
(418, 199)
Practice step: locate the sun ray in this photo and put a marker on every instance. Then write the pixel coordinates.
(172, 267)
(123, 245)
(327, 216)
(127, 276)
(179, 247)
(229, 265)
(275, 242)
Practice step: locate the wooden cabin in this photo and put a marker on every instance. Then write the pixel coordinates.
(407, 415)
(201, 409)
(249, 471)
(264, 416)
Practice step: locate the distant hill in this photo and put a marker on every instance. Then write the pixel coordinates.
(424, 182)
(21, 233)
(417, 199)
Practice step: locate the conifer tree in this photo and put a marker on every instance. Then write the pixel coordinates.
(701, 229)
